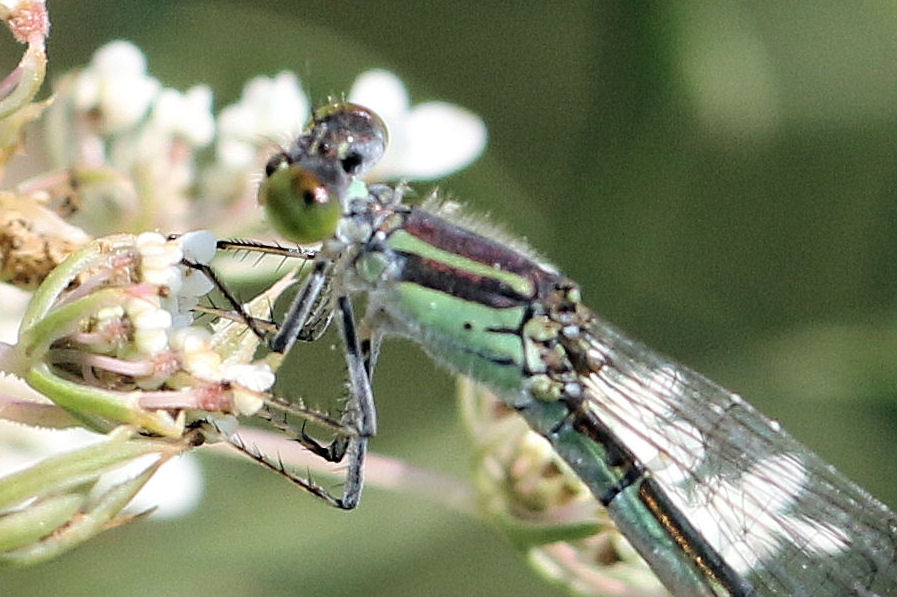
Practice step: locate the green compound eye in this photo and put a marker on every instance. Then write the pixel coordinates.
(298, 204)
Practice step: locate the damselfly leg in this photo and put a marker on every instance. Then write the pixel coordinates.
(307, 318)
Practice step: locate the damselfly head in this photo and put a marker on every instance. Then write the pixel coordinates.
(304, 188)
(349, 133)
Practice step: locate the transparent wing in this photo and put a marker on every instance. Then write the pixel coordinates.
(780, 516)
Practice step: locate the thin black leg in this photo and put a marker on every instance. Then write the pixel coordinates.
(301, 308)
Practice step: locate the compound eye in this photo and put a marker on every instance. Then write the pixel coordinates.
(299, 205)
(350, 133)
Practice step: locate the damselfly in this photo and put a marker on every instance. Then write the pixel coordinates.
(717, 498)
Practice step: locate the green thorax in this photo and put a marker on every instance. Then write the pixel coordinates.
(476, 305)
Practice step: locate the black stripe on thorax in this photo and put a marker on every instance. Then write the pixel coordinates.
(443, 234)
(466, 285)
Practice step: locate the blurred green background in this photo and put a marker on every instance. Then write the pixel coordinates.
(719, 177)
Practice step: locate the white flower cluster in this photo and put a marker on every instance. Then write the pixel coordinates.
(270, 108)
(139, 349)
(161, 265)
(161, 322)
(150, 135)
(117, 86)
(426, 141)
